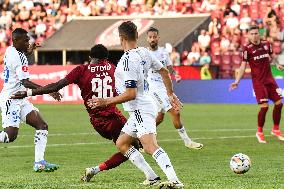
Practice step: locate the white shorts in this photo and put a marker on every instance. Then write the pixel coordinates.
(162, 100)
(15, 111)
(139, 124)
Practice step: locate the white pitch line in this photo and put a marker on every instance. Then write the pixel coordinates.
(97, 143)
(162, 131)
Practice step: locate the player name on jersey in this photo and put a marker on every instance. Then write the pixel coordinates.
(99, 68)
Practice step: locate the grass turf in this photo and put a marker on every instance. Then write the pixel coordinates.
(74, 145)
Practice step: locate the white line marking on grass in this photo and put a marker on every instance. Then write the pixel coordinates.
(160, 131)
(97, 143)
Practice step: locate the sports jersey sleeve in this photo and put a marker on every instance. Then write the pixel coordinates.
(130, 73)
(21, 66)
(245, 54)
(74, 75)
(155, 63)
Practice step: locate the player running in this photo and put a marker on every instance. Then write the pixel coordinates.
(160, 96)
(15, 111)
(131, 85)
(96, 80)
(259, 55)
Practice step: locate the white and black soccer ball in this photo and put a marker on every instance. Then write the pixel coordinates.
(240, 163)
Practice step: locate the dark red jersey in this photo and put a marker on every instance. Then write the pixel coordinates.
(258, 57)
(95, 81)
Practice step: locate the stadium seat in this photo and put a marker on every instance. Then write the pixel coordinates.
(253, 10)
(216, 59)
(226, 75)
(196, 6)
(262, 8)
(236, 58)
(216, 14)
(226, 66)
(226, 58)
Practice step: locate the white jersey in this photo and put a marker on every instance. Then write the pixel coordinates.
(15, 70)
(134, 66)
(155, 80)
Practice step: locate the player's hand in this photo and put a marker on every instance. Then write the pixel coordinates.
(19, 95)
(32, 47)
(175, 102)
(56, 95)
(279, 67)
(96, 103)
(233, 86)
(178, 78)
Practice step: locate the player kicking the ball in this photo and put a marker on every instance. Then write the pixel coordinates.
(131, 85)
(259, 55)
(14, 111)
(95, 80)
(160, 96)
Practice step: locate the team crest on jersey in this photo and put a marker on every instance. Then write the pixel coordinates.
(265, 47)
(25, 68)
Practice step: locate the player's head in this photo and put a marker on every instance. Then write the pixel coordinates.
(99, 52)
(153, 37)
(254, 36)
(127, 32)
(20, 39)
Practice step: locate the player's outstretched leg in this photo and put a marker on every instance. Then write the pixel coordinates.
(261, 120)
(112, 162)
(276, 120)
(40, 139)
(176, 118)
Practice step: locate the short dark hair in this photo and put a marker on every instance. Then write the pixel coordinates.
(18, 32)
(99, 51)
(253, 27)
(152, 29)
(128, 30)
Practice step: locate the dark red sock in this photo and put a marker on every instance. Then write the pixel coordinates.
(261, 118)
(113, 161)
(277, 116)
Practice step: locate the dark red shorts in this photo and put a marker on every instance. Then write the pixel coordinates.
(109, 127)
(267, 92)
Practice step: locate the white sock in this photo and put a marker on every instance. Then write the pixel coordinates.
(40, 141)
(183, 135)
(4, 137)
(138, 160)
(95, 170)
(164, 162)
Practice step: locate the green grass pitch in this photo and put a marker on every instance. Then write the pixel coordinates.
(74, 145)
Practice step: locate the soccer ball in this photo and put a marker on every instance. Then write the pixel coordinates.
(240, 163)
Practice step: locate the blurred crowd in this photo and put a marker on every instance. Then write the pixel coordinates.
(220, 43)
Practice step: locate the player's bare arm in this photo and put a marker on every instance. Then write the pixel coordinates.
(129, 94)
(173, 72)
(169, 86)
(239, 76)
(52, 88)
(278, 65)
(31, 85)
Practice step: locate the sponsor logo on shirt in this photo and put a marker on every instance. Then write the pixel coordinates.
(25, 68)
(261, 56)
